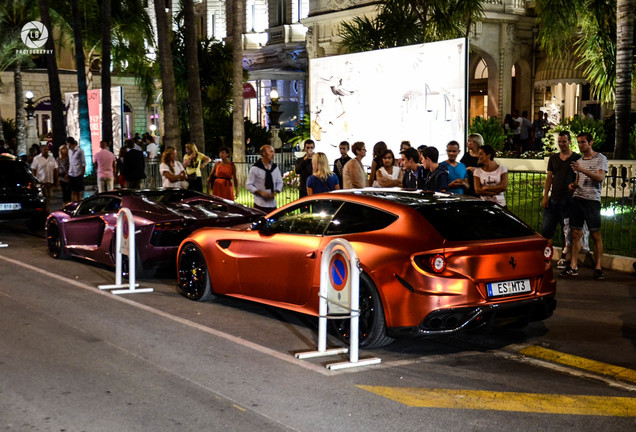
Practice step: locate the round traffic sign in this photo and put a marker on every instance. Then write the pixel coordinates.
(125, 230)
(338, 271)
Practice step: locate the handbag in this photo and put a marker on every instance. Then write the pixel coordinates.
(193, 165)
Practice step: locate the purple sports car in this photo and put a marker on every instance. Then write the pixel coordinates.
(162, 218)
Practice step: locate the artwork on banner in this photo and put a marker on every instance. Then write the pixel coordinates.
(416, 93)
(95, 116)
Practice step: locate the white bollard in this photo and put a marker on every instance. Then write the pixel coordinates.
(125, 244)
(339, 294)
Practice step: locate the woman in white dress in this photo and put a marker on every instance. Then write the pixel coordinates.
(491, 179)
(173, 174)
(389, 175)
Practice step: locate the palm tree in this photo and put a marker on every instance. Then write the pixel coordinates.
(168, 87)
(84, 122)
(107, 119)
(55, 92)
(625, 53)
(407, 22)
(14, 14)
(238, 125)
(194, 83)
(596, 45)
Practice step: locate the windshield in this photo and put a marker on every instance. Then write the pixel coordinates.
(168, 196)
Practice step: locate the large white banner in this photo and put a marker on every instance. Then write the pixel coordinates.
(416, 93)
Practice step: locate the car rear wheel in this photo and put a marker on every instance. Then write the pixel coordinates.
(372, 324)
(55, 240)
(194, 276)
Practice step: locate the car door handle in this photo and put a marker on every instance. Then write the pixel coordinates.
(311, 255)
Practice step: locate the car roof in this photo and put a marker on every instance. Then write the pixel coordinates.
(150, 192)
(7, 156)
(405, 197)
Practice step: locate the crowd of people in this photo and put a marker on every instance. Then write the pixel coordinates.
(572, 194)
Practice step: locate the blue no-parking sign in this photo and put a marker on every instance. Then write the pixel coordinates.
(339, 291)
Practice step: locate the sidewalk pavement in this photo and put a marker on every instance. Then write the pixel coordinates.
(610, 262)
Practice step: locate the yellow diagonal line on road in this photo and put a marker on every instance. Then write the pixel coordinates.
(616, 372)
(507, 401)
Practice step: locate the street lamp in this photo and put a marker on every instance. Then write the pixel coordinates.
(274, 109)
(30, 108)
(274, 117)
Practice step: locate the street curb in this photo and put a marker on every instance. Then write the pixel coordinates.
(610, 262)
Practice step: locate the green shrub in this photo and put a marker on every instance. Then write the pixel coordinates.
(492, 131)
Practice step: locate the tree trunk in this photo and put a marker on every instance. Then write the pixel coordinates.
(2, 130)
(21, 146)
(84, 122)
(197, 135)
(107, 119)
(57, 104)
(238, 124)
(168, 87)
(625, 15)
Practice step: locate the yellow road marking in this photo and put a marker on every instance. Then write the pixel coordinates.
(601, 368)
(240, 408)
(508, 401)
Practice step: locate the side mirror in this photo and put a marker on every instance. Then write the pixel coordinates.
(70, 207)
(262, 225)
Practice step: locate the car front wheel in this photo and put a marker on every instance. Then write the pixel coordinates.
(372, 324)
(193, 273)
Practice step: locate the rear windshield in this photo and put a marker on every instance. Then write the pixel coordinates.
(13, 173)
(473, 220)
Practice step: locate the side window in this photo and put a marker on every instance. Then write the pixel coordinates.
(308, 218)
(356, 218)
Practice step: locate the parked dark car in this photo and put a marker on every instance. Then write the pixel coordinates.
(163, 218)
(21, 195)
(431, 264)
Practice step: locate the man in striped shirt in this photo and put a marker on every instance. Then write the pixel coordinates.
(586, 203)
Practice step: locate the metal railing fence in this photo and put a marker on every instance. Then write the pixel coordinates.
(525, 194)
(523, 197)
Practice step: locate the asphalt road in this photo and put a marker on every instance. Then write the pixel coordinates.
(74, 358)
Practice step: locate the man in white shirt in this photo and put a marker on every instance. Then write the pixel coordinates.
(151, 149)
(44, 168)
(265, 180)
(77, 168)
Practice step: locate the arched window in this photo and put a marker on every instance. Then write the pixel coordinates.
(481, 71)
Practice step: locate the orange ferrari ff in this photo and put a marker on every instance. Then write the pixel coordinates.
(430, 264)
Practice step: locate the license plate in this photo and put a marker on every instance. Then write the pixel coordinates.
(10, 206)
(506, 288)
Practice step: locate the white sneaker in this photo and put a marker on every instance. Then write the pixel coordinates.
(561, 264)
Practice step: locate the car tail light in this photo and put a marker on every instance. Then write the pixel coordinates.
(437, 263)
(548, 252)
(432, 263)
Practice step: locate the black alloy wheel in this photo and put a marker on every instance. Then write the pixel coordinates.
(372, 324)
(54, 239)
(194, 277)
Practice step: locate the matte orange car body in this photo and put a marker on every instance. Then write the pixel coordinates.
(282, 269)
